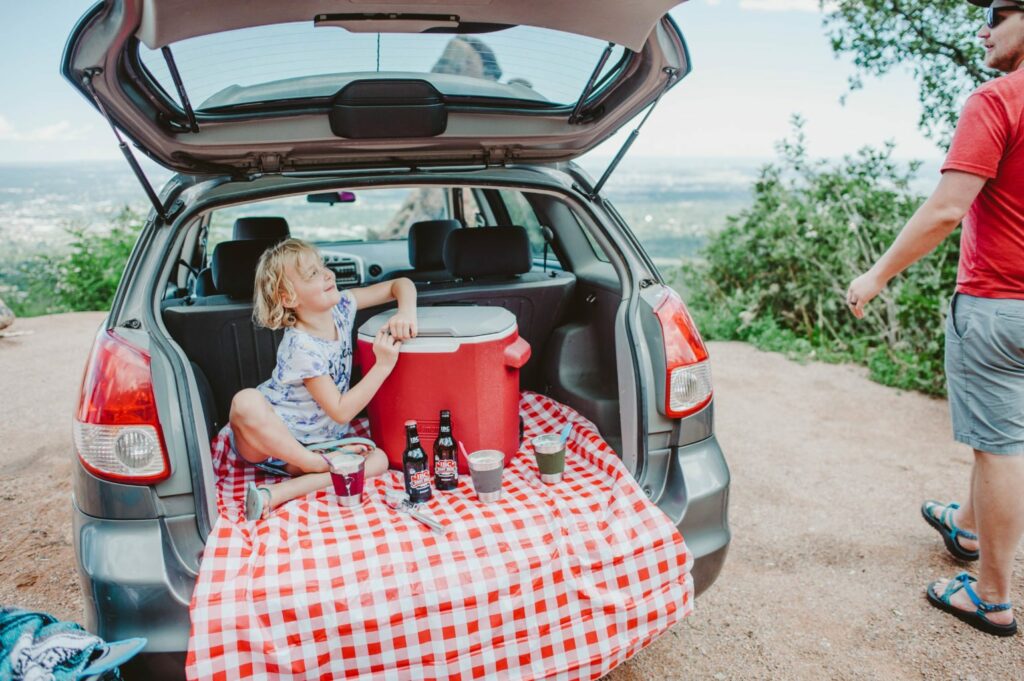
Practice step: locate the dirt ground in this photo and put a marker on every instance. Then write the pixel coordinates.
(829, 558)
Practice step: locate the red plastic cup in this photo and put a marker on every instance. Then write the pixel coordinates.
(349, 478)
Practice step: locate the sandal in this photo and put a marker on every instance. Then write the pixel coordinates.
(945, 526)
(344, 444)
(274, 467)
(976, 619)
(353, 445)
(256, 508)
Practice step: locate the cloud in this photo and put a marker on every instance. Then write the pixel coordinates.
(780, 5)
(58, 132)
(6, 129)
(62, 131)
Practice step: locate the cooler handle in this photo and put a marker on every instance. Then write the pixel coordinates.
(517, 353)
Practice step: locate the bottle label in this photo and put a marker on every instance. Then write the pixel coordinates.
(419, 479)
(445, 468)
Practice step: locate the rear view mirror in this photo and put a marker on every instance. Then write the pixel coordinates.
(331, 198)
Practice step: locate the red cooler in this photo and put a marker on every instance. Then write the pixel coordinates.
(465, 359)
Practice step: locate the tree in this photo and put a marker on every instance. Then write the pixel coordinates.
(777, 274)
(935, 39)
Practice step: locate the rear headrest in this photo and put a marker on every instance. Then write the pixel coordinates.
(488, 252)
(261, 228)
(234, 266)
(426, 243)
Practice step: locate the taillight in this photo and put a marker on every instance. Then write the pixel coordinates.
(116, 430)
(687, 369)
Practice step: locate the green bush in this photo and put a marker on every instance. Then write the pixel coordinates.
(83, 275)
(778, 273)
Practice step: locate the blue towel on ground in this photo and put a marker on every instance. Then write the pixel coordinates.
(35, 646)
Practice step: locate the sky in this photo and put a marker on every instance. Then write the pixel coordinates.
(755, 64)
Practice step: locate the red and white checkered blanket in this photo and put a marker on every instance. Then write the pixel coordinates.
(562, 581)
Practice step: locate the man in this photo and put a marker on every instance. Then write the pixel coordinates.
(983, 185)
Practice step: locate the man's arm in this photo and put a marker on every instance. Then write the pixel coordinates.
(931, 223)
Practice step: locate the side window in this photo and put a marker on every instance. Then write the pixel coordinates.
(520, 212)
(425, 203)
(472, 213)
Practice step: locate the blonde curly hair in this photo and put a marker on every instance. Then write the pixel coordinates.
(272, 286)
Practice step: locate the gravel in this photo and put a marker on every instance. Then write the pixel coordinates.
(825, 575)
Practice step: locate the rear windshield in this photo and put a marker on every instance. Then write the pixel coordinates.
(386, 213)
(298, 60)
(361, 215)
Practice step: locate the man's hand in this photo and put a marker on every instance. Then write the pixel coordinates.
(862, 290)
(403, 325)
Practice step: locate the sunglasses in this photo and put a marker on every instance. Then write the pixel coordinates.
(994, 16)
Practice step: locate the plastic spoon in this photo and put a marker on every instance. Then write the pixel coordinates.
(400, 502)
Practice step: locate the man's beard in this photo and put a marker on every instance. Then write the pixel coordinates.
(1006, 61)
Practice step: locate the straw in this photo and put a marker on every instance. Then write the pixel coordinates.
(566, 432)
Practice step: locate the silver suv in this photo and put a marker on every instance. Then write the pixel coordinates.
(375, 135)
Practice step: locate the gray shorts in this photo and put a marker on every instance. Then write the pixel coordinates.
(985, 372)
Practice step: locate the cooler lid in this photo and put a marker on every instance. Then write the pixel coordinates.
(459, 321)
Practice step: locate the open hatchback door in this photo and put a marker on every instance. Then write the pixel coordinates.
(244, 87)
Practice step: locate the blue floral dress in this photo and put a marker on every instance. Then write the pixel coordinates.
(301, 356)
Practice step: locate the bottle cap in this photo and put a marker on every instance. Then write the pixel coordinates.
(410, 422)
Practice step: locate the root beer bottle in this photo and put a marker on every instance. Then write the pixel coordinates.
(446, 463)
(414, 466)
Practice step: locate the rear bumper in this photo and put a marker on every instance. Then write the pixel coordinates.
(696, 498)
(132, 582)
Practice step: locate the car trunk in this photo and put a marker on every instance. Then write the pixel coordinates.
(569, 325)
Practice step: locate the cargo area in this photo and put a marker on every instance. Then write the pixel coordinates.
(526, 253)
(568, 323)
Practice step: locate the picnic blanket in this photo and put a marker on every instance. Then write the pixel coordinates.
(558, 581)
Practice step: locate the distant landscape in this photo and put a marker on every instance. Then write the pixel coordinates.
(671, 204)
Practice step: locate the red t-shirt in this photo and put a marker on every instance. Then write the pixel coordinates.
(989, 142)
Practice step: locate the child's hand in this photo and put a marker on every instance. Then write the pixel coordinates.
(403, 325)
(385, 349)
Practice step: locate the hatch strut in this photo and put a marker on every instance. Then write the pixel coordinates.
(576, 110)
(193, 124)
(161, 212)
(671, 73)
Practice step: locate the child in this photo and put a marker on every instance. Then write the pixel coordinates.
(307, 398)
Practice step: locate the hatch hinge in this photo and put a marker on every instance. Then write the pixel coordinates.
(671, 74)
(270, 163)
(87, 76)
(175, 208)
(497, 156)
